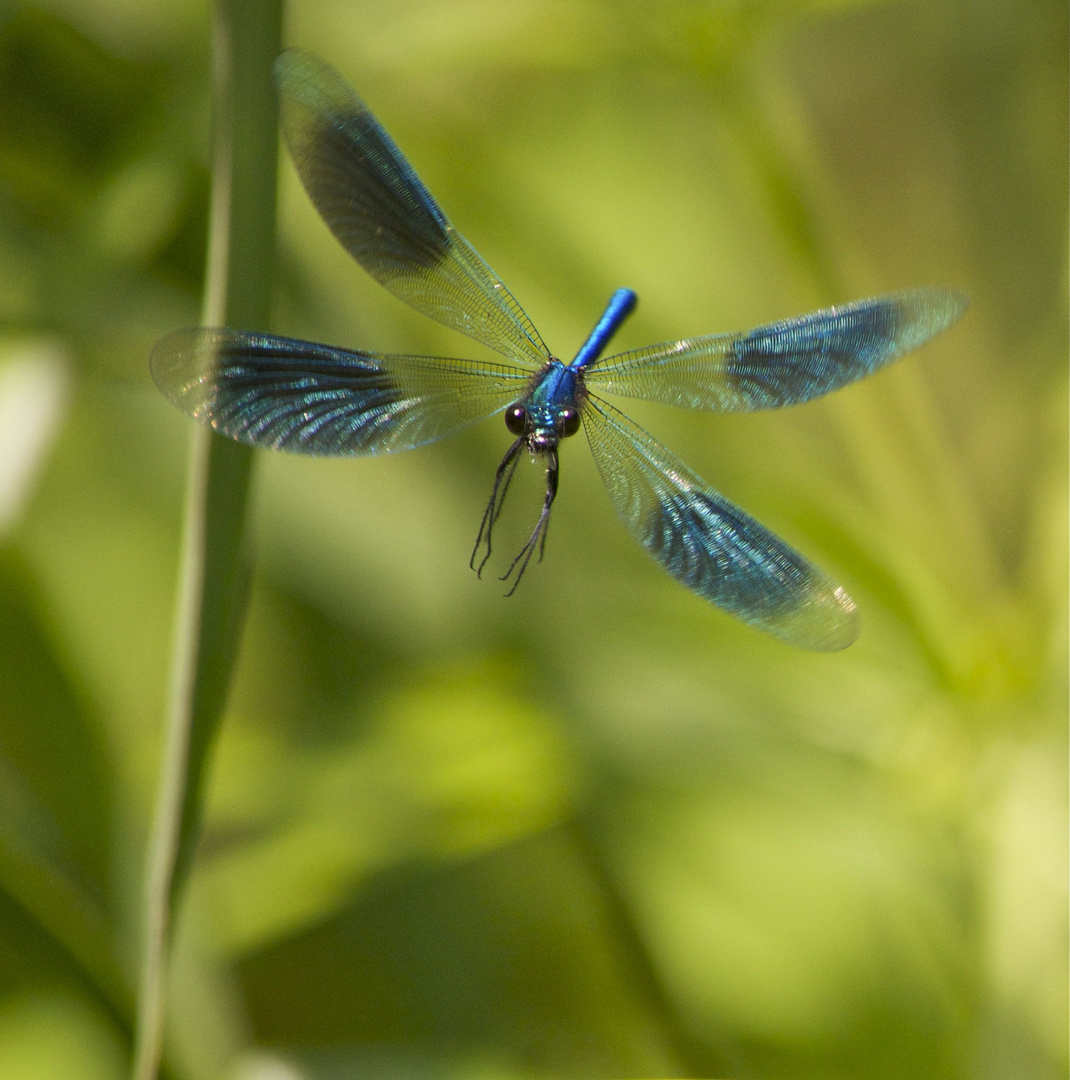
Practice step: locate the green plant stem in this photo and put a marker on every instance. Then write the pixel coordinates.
(214, 575)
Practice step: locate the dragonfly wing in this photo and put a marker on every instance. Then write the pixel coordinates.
(785, 362)
(376, 205)
(314, 399)
(712, 546)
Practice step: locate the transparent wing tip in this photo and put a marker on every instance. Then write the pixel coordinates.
(174, 359)
(184, 365)
(930, 311)
(298, 65)
(949, 305)
(826, 621)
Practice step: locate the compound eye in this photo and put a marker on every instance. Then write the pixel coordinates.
(516, 419)
(569, 420)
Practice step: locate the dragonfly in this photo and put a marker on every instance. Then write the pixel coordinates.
(291, 395)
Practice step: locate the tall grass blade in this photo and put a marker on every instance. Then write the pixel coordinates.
(213, 577)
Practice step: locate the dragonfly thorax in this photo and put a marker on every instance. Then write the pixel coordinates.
(551, 409)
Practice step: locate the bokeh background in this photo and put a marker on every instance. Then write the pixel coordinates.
(597, 829)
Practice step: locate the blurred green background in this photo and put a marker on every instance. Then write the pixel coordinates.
(597, 829)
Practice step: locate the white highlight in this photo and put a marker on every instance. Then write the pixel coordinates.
(34, 379)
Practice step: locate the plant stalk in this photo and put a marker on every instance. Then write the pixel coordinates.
(214, 575)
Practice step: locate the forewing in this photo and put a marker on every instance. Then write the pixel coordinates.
(712, 546)
(384, 216)
(785, 362)
(313, 399)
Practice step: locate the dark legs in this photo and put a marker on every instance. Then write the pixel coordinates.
(502, 479)
(538, 534)
(537, 539)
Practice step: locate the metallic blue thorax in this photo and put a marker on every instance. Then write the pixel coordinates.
(556, 389)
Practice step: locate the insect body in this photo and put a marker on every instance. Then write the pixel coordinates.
(548, 413)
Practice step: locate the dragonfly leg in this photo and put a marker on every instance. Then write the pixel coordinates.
(538, 535)
(502, 479)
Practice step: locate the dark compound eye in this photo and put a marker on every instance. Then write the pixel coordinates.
(569, 419)
(516, 418)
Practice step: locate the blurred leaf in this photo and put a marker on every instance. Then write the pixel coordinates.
(451, 765)
(45, 1037)
(56, 812)
(70, 111)
(56, 784)
(506, 957)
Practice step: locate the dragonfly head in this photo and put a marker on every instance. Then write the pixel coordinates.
(542, 427)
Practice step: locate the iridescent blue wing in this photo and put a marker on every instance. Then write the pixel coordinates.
(313, 399)
(385, 218)
(784, 363)
(712, 546)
